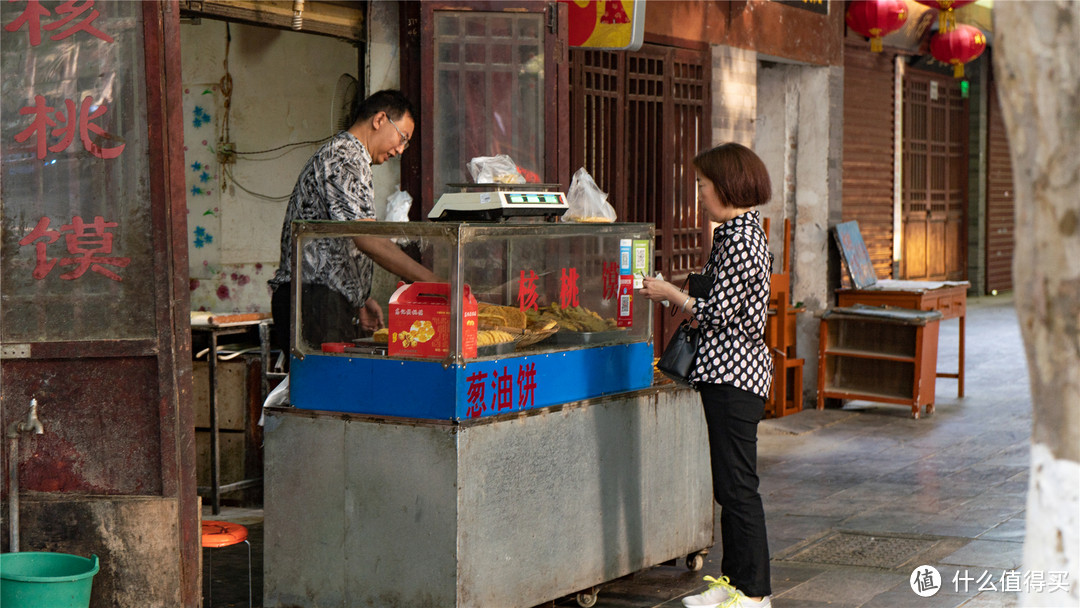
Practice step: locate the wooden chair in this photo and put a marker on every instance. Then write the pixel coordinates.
(780, 334)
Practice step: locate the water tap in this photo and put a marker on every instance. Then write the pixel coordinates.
(31, 425)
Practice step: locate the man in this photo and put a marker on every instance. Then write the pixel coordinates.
(336, 184)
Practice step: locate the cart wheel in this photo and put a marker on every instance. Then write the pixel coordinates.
(695, 561)
(587, 598)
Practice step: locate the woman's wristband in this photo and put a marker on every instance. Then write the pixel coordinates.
(684, 303)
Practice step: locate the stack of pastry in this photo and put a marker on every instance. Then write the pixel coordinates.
(493, 315)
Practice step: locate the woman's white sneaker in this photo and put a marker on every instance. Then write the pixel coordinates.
(719, 591)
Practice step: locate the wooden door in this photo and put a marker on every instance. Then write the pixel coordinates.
(934, 178)
(95, 295)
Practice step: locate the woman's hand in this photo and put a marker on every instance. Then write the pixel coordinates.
(659, 290)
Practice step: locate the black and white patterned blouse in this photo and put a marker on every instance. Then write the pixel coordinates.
(732, 318)
(336, 184)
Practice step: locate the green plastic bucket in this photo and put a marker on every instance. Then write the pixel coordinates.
(39, 579)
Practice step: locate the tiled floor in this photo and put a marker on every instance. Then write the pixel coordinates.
(956, 480)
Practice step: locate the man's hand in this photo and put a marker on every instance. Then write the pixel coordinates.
(388, 255)
(371, 317)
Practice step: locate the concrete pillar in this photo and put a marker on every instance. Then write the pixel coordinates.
(799, 119)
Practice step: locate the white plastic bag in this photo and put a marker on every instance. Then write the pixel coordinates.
(397, 206)
(278, 396)
(586, 201)
(397, 210)
(499, 169)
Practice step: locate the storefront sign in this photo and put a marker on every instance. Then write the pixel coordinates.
(75, 165)
(607, 24)
(503, 396)
(85, 242)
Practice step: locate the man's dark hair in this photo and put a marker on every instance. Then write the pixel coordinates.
(390, 101)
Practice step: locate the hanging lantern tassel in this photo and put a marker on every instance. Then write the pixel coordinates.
(876, 18)
(946, 20)
(962, 44)
(946, 16)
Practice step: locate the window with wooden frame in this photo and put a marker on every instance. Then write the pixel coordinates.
(492, 80)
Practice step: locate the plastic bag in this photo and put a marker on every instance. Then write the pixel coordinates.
(277, 397)
(586, 201)
(397, 206)
(397, 210)
(499, 169)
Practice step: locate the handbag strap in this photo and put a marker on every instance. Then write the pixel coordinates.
(685, 287)
(691, 323)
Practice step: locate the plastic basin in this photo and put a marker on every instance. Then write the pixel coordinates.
(34, 579)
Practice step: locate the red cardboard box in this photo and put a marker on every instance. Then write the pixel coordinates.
(420, 321)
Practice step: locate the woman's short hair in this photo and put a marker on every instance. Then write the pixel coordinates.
(739, 175)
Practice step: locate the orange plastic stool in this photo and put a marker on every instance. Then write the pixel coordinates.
(218, 534)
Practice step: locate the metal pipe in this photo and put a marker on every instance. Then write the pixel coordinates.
(31, 425)
(13, 492)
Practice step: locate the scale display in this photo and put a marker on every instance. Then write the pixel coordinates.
(491, 202)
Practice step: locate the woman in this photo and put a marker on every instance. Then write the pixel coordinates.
(733, 370)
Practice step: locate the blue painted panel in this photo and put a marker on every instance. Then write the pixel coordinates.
(424, 389)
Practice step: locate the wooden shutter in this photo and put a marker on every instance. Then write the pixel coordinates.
(868, 151)
(637, 121)
(1000, 218)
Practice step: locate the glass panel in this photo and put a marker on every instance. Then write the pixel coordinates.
(447, 26)
(77, 260)
(493, 103)
(524, 315)
(475, 53)
(476, 26)
(500, 54)
(573, 275)
(502, 27)
(449, 53)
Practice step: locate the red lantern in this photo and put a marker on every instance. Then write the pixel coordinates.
(946, 17)
(876, 18)
(958, 46)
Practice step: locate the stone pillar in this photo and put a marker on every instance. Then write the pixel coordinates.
(799, 135)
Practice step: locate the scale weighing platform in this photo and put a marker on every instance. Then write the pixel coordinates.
(489, 202)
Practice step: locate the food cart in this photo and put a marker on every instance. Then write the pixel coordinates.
(502, 444)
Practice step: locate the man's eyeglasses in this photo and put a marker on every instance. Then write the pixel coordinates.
(404, 138)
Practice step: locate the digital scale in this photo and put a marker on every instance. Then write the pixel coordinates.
(491, 202)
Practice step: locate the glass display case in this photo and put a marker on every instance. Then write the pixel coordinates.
(528, 315)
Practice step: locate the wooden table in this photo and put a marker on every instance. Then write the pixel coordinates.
(948, 297)
(879, 353)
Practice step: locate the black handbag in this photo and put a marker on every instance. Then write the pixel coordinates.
(681, 350)
(699, 285)
(680, 353)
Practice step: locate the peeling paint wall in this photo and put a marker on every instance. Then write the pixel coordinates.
(134, 537)
(282, 88)
(798, 120)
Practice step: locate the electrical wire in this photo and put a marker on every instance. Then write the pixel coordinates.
(298, 143)
(226, 91)
(265, 197)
